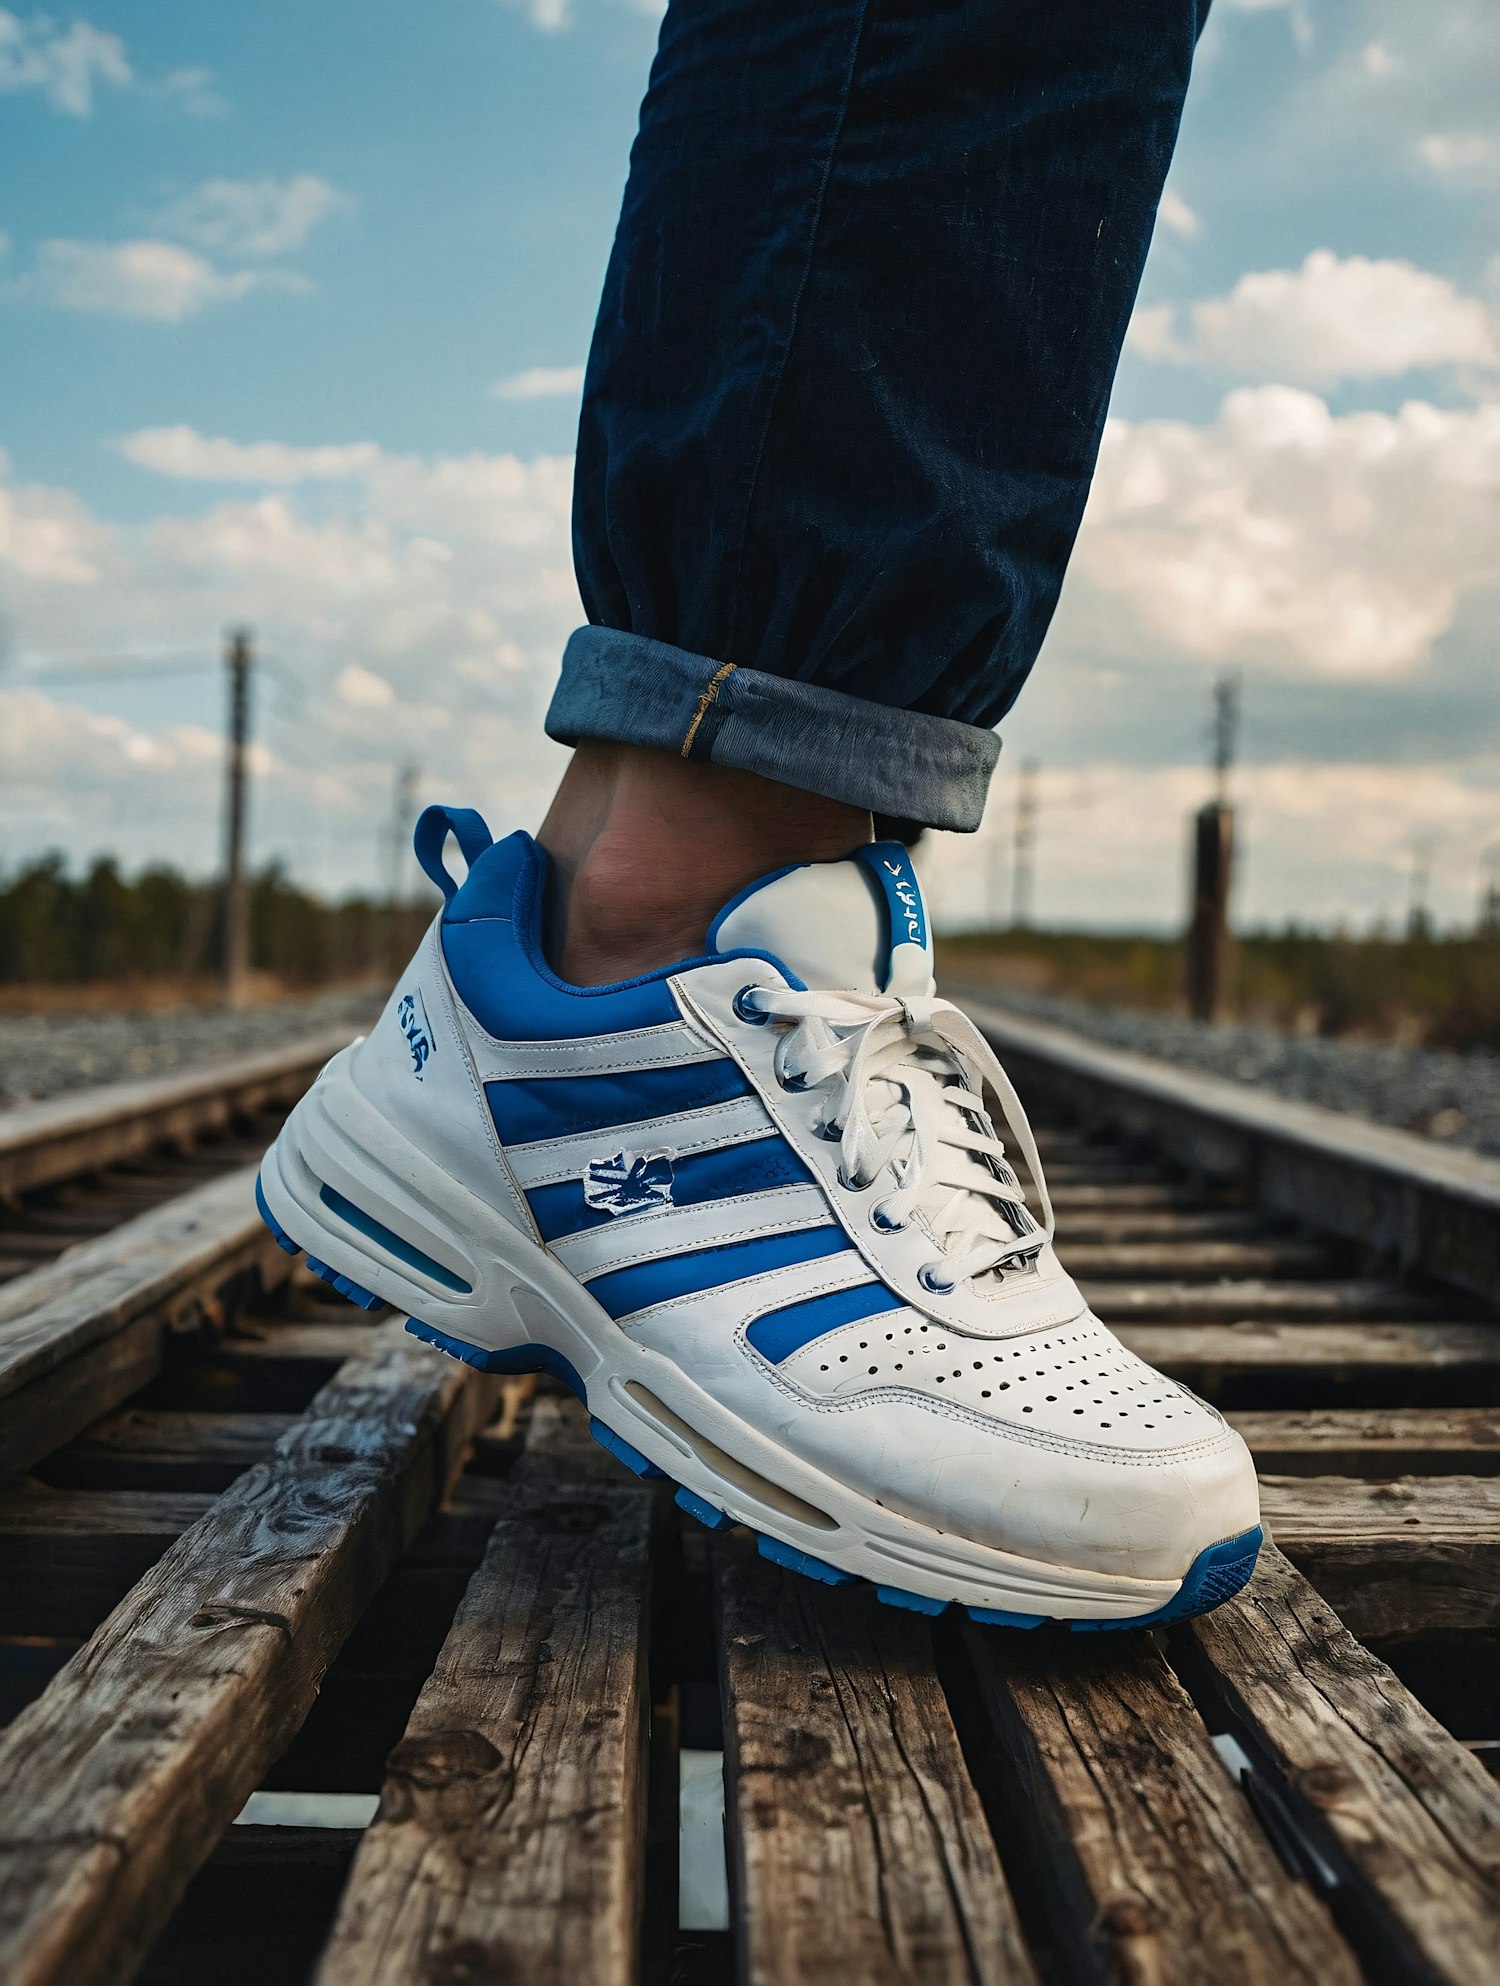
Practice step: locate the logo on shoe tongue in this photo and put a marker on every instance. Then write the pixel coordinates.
(903, 887)
(628, 1182)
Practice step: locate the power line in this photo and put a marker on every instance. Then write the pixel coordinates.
(1023, 855)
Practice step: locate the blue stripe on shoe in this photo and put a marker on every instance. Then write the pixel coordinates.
(626, 1290)
(528, 1108)
(750, 1168)
(781, 1332)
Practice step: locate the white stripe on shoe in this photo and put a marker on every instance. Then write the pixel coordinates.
(714, 1127)
(651, 1237)
(674, 1044)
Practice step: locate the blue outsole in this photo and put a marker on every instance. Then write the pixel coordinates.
(1215, 1575)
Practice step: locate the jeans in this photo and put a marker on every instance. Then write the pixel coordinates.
(850, 373)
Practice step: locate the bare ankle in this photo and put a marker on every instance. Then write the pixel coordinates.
(646, 847)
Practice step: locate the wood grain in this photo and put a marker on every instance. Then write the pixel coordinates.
(1373, 1441)
(1407, 1817)
(1147, 1859)
(77, 1337)
(117, 1781)
(145, 1448)
(1415, 1556)
(510, 1836)
(858, 1847)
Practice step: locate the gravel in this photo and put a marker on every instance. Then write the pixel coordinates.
(49, 1053)
(1455, 1098)
(1452, 1097)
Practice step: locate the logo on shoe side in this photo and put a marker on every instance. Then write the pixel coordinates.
(412, 1016)
(629, 1182)
(911, 903)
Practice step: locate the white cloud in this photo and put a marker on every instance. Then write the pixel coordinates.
(1325, 843)
(418, 605)
(154, 280)
(362, 689)
(68, 66)
(65, 65)
(548, 16)
(1177, 215)
(183, 452)
(256, 217)
(541, 382)
(1465, 160)
(1339, 546)
(1330, 319)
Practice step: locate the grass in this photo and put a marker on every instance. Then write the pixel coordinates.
(1435, 992)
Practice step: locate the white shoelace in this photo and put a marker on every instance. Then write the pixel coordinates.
(903, 1088)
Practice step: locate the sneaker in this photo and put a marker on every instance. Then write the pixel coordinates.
(754, 1209)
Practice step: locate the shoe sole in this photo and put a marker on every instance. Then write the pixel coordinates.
(323, 1193)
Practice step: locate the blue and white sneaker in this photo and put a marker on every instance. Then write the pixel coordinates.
(753, 1207)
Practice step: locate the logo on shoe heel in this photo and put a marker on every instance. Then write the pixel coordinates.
(412, 1017)
(629, 1182)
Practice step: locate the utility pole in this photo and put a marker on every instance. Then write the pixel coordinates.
(1489, 893)
(403, 820)
(1213, 867)
(1418, 911)
(236, 958)
(1023, 855)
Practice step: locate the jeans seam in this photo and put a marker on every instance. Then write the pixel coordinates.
(704, 701)
(732, 630)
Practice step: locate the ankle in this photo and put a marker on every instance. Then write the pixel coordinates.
(646, 848)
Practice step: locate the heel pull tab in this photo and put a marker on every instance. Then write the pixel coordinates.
(430, 841)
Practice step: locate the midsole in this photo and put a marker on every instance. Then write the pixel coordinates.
(519, 1295)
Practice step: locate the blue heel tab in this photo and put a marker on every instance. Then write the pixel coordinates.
(430, 841)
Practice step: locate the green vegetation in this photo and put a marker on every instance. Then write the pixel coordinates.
(1444, 992)
(97, 929)
(57, 929)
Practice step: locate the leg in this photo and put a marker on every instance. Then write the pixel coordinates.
(866, 300)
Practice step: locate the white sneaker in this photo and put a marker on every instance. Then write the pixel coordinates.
(753, 1209)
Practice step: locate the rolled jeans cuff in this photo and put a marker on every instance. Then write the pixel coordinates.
(636, 691)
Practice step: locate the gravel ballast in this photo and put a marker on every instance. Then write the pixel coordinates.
(1452, 1097)
(1455, 1098)
(50, 1053)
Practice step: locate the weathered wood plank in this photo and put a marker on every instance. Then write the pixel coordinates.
(858, 1847)
(1418, 1555)
(141, 1448)
(1404, 1814)
(68, 1556)
(59, 1367)
(1434, 1206)
(510, 1836)
(1373, 1441)
(1159, 1225)
(41, 1143)
(1192, 1262)
(1235, 1301)
(117, 1781)
(1148, 1861)
(1206, 1355)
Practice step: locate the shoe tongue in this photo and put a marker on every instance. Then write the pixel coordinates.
(855, 926)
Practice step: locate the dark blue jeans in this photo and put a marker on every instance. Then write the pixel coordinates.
(850, 373)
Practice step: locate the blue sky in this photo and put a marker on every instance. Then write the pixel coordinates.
(322, 237)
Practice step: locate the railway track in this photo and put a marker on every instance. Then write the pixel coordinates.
(263, 1559)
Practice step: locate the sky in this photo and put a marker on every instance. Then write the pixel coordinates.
(294, 304)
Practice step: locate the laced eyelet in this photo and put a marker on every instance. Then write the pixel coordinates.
(750, 1015)
(853, 1185)
(831, 1134)
(793, 1083)
(882, 1223)
(935, 1285)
